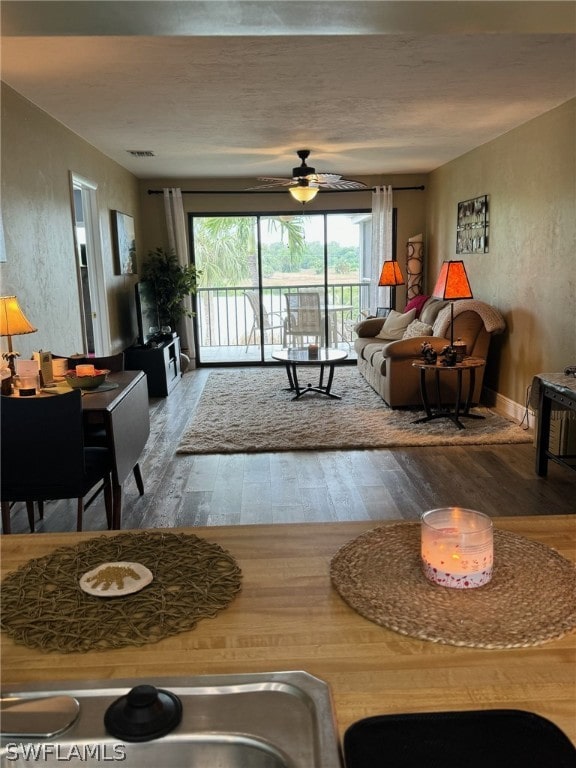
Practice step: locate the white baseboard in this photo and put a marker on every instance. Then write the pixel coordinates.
(510, 409)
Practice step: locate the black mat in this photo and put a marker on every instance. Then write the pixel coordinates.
(476, 739)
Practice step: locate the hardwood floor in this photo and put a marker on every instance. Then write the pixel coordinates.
(310, 486)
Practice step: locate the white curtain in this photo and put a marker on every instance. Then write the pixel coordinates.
(382, 208)
(178, 242)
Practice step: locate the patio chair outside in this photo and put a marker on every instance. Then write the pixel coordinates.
(271, 321)
(304, 316)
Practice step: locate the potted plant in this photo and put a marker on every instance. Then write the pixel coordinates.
(172, 282)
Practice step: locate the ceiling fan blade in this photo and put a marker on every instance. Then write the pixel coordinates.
(342, 184)
(277, 179)
(273, 182)
(325, 178)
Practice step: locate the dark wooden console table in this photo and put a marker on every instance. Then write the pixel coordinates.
(160, 363)
(549, 389)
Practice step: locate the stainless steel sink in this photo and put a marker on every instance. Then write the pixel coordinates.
(268, 720)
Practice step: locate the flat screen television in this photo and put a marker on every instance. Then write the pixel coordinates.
(146, 312)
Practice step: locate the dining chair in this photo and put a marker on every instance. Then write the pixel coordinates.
(113, 363)
(271, 321)
(44, 456)
(94, 432)
(304, 316)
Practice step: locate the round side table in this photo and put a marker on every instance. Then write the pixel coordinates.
(459, 411)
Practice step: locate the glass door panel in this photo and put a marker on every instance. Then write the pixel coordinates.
(345, 238)
(225, 249)
(292, 263)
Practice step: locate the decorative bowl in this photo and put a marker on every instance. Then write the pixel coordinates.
(86, 382)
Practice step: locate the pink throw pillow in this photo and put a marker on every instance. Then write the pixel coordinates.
(416, 303)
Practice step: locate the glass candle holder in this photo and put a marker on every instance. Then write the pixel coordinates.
(457, 547)
(26, 386)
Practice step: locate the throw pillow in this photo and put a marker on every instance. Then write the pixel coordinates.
(417, 328)
(395, 324)
(416, 303)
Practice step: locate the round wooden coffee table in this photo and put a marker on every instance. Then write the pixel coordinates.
(458, 412)
(324, 357)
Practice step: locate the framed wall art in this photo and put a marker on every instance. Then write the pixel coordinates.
(124, 242)
(472, 226)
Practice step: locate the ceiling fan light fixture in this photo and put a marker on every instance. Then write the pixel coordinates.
(303, 192)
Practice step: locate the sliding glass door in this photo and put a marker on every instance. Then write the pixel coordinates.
(251, 264)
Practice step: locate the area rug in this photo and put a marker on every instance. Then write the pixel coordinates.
(251, 411)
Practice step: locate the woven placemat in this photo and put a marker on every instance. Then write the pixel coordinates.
(531, 598)
(44, 607)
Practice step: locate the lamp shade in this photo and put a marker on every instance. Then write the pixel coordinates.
(452, 282)
(13, 322)
(391, 274)
(303, 192)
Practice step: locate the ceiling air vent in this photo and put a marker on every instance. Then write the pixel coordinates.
(140, 152)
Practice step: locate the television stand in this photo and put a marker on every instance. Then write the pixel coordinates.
(161, 364)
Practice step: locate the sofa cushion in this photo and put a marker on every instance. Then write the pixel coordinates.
(430, 310)
(378, 362)
(417, 328)
(395, 324)
(370, 350)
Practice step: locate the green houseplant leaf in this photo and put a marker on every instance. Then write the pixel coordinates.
(172, 282)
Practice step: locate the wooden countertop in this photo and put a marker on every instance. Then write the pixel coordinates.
(289, 617)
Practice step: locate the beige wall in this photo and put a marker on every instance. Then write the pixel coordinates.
(530, 270)
(38, 154)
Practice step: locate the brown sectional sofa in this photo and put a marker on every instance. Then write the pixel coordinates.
(387, 364)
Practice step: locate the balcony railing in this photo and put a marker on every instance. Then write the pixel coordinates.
(225, 317)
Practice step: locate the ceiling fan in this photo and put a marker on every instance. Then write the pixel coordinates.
(306, 183)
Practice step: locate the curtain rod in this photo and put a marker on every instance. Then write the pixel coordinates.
(274, 191)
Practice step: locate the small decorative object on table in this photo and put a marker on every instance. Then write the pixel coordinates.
(313, 351)
(428, 353)
(448, 355)
(6, 379)
(25, 386)
(27, 379)
(459, 347)
(457, 548)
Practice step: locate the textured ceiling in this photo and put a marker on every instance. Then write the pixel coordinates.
(263, 79)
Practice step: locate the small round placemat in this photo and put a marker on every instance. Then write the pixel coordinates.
(44, 607)
(531, 598)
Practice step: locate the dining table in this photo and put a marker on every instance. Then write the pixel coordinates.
(122, 410)
(289, 616)
(336, 314)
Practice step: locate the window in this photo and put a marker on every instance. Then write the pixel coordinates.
(271, 255)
